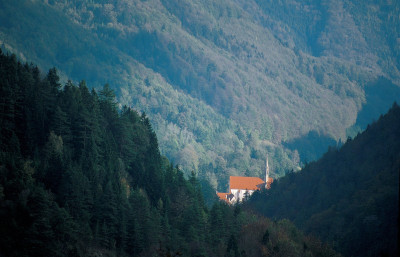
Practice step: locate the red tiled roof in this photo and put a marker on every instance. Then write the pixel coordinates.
(222, 196)
(249, 183)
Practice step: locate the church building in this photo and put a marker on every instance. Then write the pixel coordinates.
(242, 187)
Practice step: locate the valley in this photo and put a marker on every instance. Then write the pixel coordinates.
(223, 83)
(123, 122)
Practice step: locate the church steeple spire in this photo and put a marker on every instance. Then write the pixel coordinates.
(266, 170)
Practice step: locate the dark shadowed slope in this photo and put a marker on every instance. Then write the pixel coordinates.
(350, 196)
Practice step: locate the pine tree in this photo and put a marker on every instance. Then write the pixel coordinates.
(8, 91)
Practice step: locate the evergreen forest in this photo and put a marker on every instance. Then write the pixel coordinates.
(120, 119)
(349, 197)
(82, 176)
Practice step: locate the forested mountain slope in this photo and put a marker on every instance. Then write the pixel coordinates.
(349, 197)
(223, 82)
(80, 178)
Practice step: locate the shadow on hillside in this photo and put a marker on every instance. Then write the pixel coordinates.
(311, 146)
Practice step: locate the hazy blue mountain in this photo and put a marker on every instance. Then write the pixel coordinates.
(223, 82)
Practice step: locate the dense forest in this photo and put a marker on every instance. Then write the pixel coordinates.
(350, 197)
(223, 82)
(80, 176)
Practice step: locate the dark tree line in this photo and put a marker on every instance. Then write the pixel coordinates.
(81, 177)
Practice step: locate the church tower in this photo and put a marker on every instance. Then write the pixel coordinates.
(266, 170)
(268, 180)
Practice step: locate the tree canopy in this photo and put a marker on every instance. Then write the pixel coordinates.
(81, 177)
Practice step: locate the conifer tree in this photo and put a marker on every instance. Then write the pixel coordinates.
(80, 178)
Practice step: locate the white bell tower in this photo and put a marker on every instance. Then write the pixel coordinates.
(266, 170)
